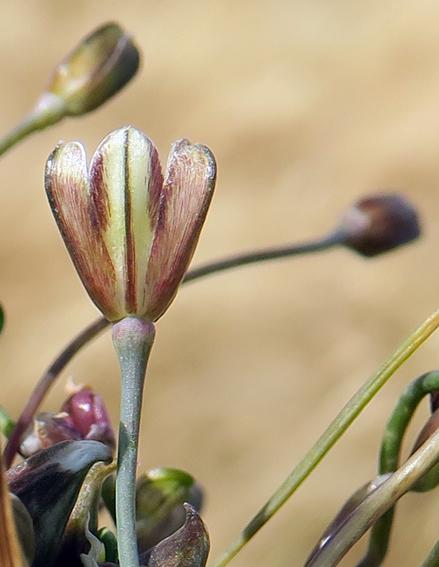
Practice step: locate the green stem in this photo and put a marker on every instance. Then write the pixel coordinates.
(389, 459)
(331, 435)
(380, 500)
(49, 110)
(132, 339)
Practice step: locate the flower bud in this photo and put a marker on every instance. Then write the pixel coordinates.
(131, 234)
(187, 547)
(379, 223)
(88, 415)
(82, 416)
(93, 72)
(160, 495)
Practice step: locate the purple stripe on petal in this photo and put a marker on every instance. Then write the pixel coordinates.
(187, 192)
(99, 212)
(155, 186)
(130, 256)
(68, 191)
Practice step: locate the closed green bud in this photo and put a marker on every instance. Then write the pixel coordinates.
(93, 72)
(160, 496)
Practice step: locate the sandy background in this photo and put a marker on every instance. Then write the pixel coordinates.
(307, 105)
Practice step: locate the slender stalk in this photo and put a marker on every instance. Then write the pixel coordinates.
(49, 110)
(331, 435)
(380, 500)
(27, 126)
(389, 460)
(48, 378)
(133, 339)
(45, 383)
(330, 241)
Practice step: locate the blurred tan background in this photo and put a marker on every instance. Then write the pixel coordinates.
(307, 105)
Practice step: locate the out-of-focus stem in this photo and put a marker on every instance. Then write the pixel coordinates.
(48, 111)
(44, 384)
(330, 241)
(90, 332)
(331, 435)
(132, 339)
(389, 460)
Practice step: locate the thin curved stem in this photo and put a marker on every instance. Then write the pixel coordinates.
(46, 382)
(48, 111)
(132, 339)
(389, 459)
(27, 126)
(334, 239)
(331, 435)
(89, 333)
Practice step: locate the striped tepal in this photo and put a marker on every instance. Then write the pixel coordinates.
(130, 233)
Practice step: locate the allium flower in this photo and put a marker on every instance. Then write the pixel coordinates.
(130, 232)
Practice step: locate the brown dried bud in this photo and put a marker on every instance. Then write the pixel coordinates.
(379, 223)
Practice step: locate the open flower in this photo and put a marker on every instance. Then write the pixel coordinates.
(130, 232)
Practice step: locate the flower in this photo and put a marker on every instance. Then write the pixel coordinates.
(130, 232)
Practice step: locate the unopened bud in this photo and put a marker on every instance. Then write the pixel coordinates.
(94, 71)
(160, 495)
(88, 415)
(187, 547)
(82, 416)
(379, 223)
